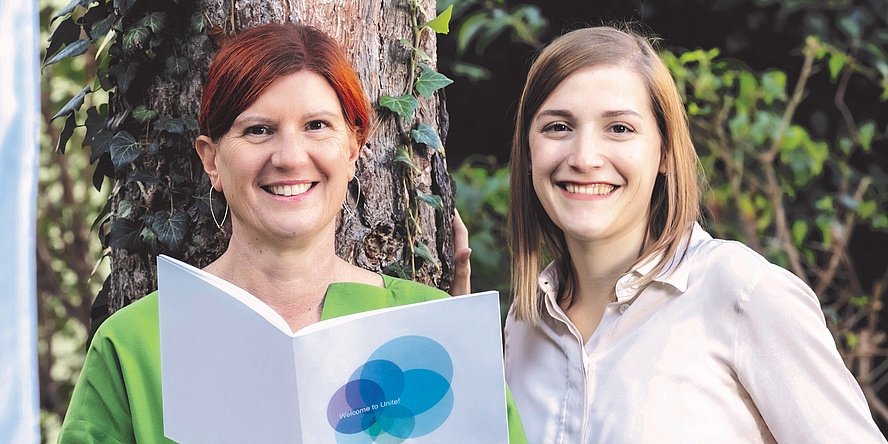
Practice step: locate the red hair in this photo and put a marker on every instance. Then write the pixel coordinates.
(254, 59)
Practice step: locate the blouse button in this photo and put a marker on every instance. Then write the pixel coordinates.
(623, 308)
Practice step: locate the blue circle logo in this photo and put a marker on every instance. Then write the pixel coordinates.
(402, 391)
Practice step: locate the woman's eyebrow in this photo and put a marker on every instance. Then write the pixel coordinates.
(555, 113)
(619, 112)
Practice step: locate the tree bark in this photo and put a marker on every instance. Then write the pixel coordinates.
(369, 31)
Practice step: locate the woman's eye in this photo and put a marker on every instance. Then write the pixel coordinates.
(618, 128)
(257, 130)
(317, 124)
(557, 127)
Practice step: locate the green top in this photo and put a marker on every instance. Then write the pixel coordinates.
(117, 398)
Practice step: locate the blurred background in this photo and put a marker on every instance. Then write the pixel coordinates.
(788, 113)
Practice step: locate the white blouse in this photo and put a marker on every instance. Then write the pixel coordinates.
(724, 347)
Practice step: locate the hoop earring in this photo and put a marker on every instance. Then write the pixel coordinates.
(213, 212)
(346, 207)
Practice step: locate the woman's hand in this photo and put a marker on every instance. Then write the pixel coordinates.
(462, 274)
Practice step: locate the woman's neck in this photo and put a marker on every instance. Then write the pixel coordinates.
(291, 279)
(598, 265)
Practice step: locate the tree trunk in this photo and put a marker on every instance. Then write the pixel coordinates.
(369, 32)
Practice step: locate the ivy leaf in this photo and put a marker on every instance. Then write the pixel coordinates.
(143, 114)
(430, 81)
(198, 22)
(867, 132)
(101, 27)
(190, 123)
(398, 269)
(122, 6)
(425, 134)
(134, 38)
(94, 123)
(124, 149)
(421, 250)
(156, 22)
(403, 105)
(66, 33)
(422, 54)
(153, 148)
(170, 125)
(148, 236)
(404, 156)
(72, 50)
(441, 23)
(70, 8)
(433, 200)
(74, 104)
(124, 233)
(100, 143)
(124, 72)
(67, 131)
(177, 65)
(170, 229)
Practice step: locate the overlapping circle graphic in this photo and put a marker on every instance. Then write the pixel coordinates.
(402, 391)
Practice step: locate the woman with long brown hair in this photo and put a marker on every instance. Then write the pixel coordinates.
(643, 328)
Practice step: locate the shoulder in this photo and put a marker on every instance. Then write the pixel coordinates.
(136, 323)
(407, 292)
(732, 268)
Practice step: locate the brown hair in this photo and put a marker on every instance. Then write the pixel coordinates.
(250, 62)
(675, 198)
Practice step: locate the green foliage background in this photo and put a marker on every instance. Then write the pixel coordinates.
(793, 190)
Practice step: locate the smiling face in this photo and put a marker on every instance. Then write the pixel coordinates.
(595, 152)
(285, 163)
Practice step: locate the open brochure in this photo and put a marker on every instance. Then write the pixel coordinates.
(233, 372)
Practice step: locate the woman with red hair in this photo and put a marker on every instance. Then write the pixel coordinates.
(283, 117)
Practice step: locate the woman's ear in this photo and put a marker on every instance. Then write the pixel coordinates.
(354, 151)
(207, 150)
(662, 169)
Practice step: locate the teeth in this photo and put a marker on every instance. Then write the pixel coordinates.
(290, 190)
(595, 189)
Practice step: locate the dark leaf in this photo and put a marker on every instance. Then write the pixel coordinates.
(66, 33)
(72, 50)
(147, 236)
(143, 114)
(74, 104)
(191, 123)
(403, 105)
(404, 156)
(123, 6)
(103, 215)
(155, 21)
(153, 148)
(170, 125)
(70, 8)
(67, 131)
(398, 270)
(103, 169)
(124, 72)
(124, 149)
(94, 123)
(421, 250)
(170, 229)
(198, 22)
(101, 144)
(177, 65)
(124, 233)
(143, 176)
(430, 81)
(433, 200)
(425, 134)
(135, 38)
(100, 28)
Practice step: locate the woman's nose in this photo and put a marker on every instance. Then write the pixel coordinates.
(289, 151)
(587, 154)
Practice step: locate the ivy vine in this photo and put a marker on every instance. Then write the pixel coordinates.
(425, 84)
(133, 44)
